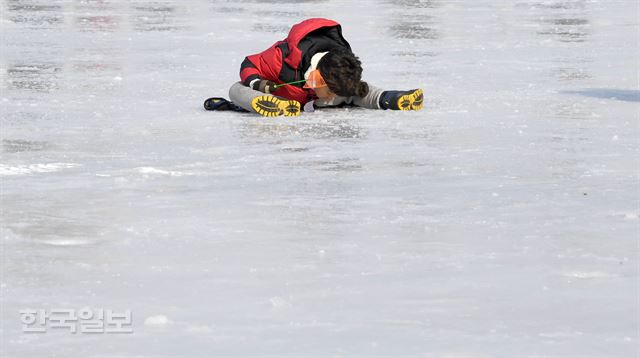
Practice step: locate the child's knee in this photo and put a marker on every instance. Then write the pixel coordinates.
(233, 91)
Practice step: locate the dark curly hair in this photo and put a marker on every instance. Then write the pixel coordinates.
(342, 70)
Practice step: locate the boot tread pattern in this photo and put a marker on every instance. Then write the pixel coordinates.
(271, 106)
(291, 108)
(411, 101)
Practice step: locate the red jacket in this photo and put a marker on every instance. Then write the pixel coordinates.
(287, 60)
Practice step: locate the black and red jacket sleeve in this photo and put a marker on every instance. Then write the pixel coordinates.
(264, 65)
(248, 72)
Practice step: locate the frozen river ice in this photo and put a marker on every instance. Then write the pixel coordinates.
(501, 220)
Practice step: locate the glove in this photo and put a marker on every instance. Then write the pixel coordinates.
(265, 86)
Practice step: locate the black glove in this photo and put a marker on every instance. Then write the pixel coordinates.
(265, 86)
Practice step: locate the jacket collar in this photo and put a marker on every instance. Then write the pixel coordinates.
(298, 32)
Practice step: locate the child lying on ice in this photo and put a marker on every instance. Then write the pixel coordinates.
(312, 68)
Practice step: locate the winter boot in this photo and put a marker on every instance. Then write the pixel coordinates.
(221, 104)
(402, 100)
(271, 106)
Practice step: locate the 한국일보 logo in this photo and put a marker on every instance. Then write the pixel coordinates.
(84, 320)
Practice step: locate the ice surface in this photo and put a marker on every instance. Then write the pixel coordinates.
(501, 220)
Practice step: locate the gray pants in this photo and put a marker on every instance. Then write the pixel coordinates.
(242, 96)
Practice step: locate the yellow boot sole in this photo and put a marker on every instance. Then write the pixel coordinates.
(271, 106)
(413, 101)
